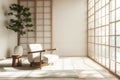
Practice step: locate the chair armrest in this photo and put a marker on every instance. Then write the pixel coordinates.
(36, 51)
(50, 49)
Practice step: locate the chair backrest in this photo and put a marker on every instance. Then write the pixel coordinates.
(35, 47)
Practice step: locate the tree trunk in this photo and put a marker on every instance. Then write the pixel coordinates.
(18, 42)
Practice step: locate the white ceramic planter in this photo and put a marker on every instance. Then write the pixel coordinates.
(18, 50)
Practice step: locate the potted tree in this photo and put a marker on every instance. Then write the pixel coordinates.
(20, 22)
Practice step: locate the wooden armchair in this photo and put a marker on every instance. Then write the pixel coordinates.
(38, 55)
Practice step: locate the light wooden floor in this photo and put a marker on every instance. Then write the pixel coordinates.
(85, 68)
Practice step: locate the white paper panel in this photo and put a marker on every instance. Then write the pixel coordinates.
(112, 4)
(25, 35)
(112, 29)
(47, 9)
(47, 22)
(107, 40)
(31, 40)
(39, 28)
(107, 30)
(39, 16)
(47, 34)
(118, 28)
(39, 34)
(47, 16)
(112, 41)
(103, 31)
(91, 39)
(47, 3)
(118, 54)
(31, 34)
(117, 3)
(47, 40)
(39, 22)
(91, 33)
(112, 64)
(118, 41)
(32, 10)
(47, 28)
(40, 9)
(107, 19)
(112, 53)
(118, 68)
(97, 39)
(39, 40)
(97, 32)
(23, 3)
(107, 62)
(32, 16)
(39, 3)
(103, 20)
(23, 40)
(103, 51)
(112, 16)
(103, 2)
(103, 40)
(107, 51)
(47, 46)
(31, 3)
(118, 14)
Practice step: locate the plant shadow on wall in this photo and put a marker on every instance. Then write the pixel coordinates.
(19, 21)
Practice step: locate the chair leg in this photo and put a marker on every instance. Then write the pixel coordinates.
(31, 64)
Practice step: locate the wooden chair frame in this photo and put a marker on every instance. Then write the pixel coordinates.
(40, 51)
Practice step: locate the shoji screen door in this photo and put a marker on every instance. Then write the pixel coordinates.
(42, 19)
(104, 33)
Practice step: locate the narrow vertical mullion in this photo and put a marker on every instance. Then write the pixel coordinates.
(101, 33)
(94, 32)
(87, 29)
(105, 32)
(51, 5)
(27, 32)
(43, 26)
(109, 36)
(35, 16)
(115, 36)
(98, 34)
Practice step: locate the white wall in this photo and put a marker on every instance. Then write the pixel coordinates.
(70, 27)
(7, 37)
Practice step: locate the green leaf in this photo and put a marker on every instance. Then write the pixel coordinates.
(29, 25)
(10, 13)
(22, 19)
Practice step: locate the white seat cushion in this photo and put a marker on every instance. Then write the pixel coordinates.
(51, 57)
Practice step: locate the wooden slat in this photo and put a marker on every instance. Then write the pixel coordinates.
(87, 32)
(43, 25)
(35, 16)
(115, 36)
(51, 5)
